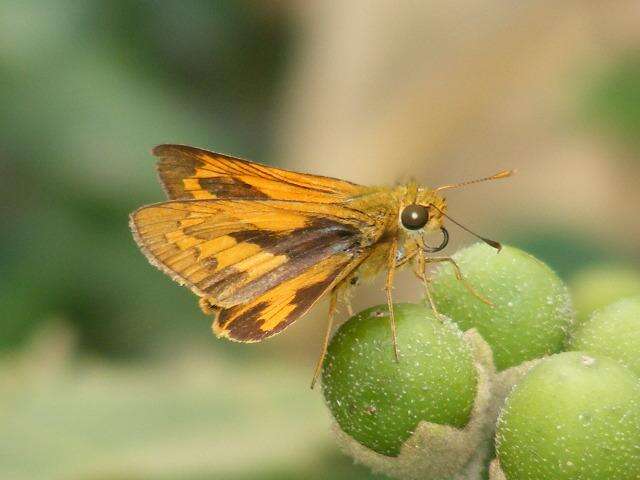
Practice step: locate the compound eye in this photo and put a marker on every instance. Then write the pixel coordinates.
(414, 216)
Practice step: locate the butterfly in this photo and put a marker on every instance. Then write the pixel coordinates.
(261, 245)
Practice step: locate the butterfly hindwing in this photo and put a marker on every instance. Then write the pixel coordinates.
(271, 312)
(189, 173)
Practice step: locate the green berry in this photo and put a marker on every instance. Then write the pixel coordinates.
(613, 332)
(573, 417)
(531, 309)
(379, 401)
(601, 285)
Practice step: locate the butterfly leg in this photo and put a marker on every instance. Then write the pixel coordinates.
(346, 291)
(419, 268)
(333, 303)
(391, 268)
(460, 277)
(349, 308)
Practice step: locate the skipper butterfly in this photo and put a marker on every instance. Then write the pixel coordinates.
(261, 245)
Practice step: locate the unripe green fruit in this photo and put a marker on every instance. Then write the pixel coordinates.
(613, 332)
(378, 401)
(531, 310)
(573, 417)
(601, 285)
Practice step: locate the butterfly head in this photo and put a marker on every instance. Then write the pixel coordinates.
(424, 210)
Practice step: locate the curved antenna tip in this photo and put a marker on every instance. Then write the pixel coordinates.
(492, 243)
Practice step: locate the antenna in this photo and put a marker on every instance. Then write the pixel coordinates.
(497, 176)
(488, 241)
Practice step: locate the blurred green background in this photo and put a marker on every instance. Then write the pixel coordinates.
(107, 369)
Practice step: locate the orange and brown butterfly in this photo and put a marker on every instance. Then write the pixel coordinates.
(261, 245)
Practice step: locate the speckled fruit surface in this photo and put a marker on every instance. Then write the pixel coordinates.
(573, 417)
(613, 332)
(379, 401)
(531, 312)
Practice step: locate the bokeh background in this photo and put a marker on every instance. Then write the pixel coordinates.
(107, 368)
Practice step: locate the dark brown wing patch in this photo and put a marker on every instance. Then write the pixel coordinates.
(303, 249)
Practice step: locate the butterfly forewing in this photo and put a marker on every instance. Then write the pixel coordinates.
(192, 173)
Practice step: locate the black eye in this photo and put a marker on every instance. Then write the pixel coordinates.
(414, 216)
